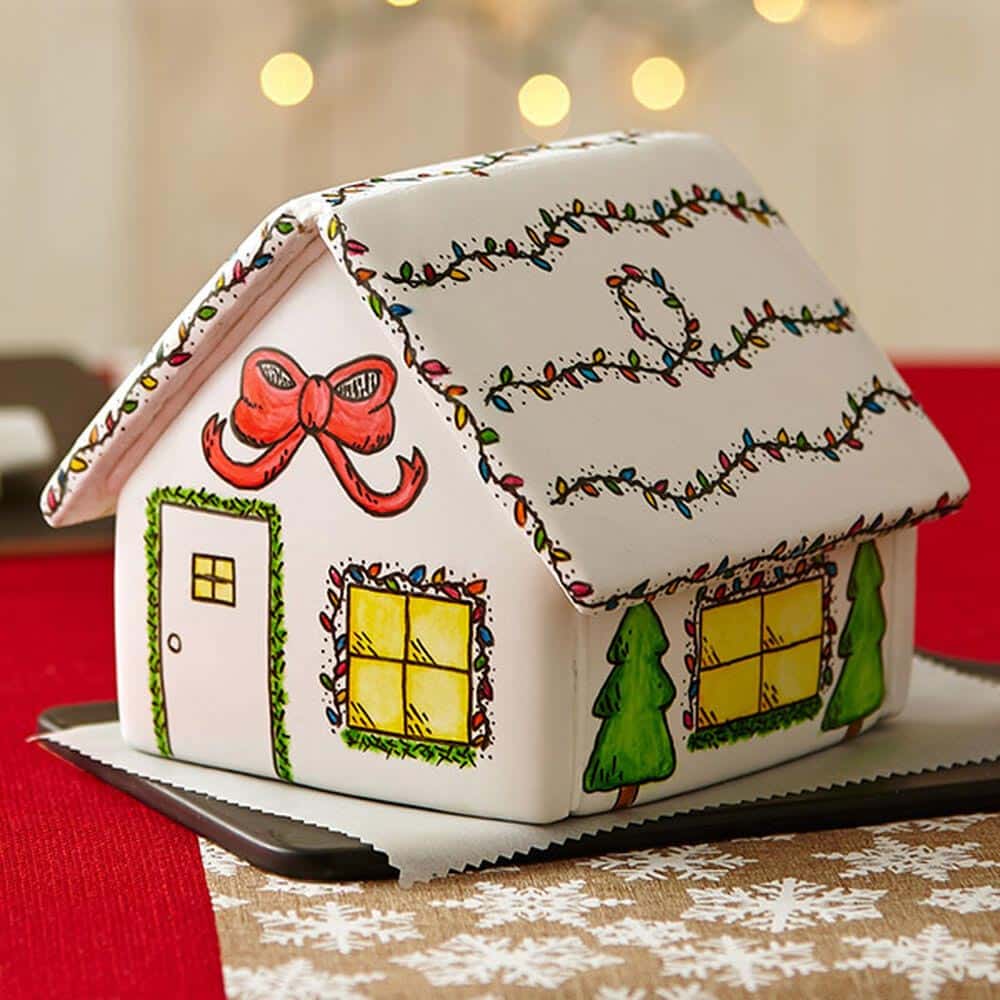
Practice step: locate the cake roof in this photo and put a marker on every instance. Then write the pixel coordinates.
(647, 368)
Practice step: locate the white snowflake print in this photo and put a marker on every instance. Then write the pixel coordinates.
(308, 890)
(768, 836)
(739, 962)
(565, 903)
(697, 862)
(642, 933)
(889, 855)
(932, 824)
(783, 905)
(470, 959)
(689, 991)
(222, 902)
(217, 861)
(336, 927)
(977, 899)
(929, 960)
(298, 979)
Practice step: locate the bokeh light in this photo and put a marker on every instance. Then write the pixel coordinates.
(544, 100)
(286, 79)
(780, 11)
(845, 22)
(658, 83)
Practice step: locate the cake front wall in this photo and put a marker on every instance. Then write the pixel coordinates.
(336, 618)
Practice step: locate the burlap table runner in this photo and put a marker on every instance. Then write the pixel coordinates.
(907, 909)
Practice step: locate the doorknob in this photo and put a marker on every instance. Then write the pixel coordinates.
(174, 642)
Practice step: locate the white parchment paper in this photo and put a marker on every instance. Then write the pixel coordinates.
(950, 719)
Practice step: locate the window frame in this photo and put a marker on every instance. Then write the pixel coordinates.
(407, 660)
(213, 578)
(762, 651)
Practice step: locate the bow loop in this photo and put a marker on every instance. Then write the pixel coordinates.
(349, 408)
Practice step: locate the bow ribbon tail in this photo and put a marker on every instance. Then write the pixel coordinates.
(413, 477)
(248, 475)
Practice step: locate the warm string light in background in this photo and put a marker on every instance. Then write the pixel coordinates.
(658, 83)
(286, 79)
(780, 11)
(544, 100)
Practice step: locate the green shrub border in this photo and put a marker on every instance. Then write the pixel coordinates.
(200, 499)
(405, 749)
(755, 725)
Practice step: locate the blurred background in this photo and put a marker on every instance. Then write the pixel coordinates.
(144, 138)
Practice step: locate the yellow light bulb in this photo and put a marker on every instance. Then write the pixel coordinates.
(658, 83)
(780, 11)
(402, 3)
(286, 79)
(544, 100)
(845, 22)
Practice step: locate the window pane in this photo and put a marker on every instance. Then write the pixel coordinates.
(793, 613)
(375, 695)
(224, 593)
(729, 692)
(202, 589)
(730, 631)
(437, 704)
(203, 565)
(791, 674)
(439, 632)
(224, 569)
(377, 623)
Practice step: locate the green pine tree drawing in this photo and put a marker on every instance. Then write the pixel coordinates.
(633, 744)
(861, 686)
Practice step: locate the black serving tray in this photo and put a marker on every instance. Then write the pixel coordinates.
(299, 850)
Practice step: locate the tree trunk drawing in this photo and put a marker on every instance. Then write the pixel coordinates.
(633, 745)
(860, 689)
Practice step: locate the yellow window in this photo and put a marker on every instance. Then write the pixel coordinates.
(760, 652)
(791, 674)
(213, 579)
(409, 671)
(729, 692)
(793, 614)
(439, 632)
(730, 631)
(375, 695)
(437, 704)
(376, 623)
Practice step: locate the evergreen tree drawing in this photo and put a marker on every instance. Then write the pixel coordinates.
(633, 745)
(861, 686)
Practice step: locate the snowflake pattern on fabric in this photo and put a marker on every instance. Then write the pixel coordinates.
(739, 962)
(695, 862)
(308, 890)
(783, 904)
(977, 899)
(217, 861)
(650, 934)
(565, 903)
(471, 959)
(336, 927)
(689, 991)
(298, 979)
(220, 901)
(931, 824)
(928, 961)
(889, 855)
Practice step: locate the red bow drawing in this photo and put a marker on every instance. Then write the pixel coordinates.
(347, 410)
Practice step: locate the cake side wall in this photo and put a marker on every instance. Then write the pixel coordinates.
(779, 659)
(387, 634)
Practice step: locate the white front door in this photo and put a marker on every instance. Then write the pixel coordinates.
(214, 635)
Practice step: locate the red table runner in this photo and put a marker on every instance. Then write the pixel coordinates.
(100, 896)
